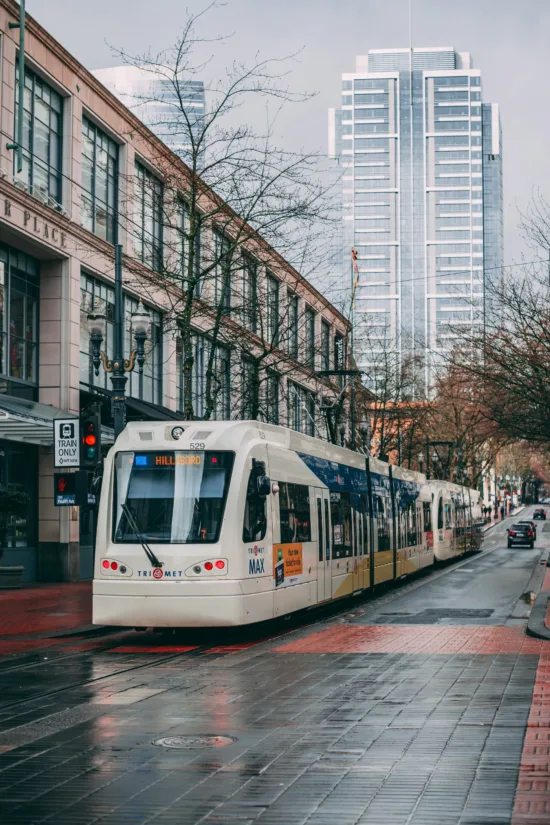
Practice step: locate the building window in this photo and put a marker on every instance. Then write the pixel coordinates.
(272, 311)
(292, 325)
(325, 346)
(222, 271)
(98, 201)
(146, 387)
(198, 345)
(19, 298)
(272, 397)
(309, 349)
(42, 137)
(300, 409)
(250, 293)
(96, 296)
(148, 217)
(190, 277)
(249, 389)
(221, 386)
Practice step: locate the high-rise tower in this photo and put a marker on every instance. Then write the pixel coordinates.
(155, 101)
(421, 176)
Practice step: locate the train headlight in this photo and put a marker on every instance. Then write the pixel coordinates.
(177, 432)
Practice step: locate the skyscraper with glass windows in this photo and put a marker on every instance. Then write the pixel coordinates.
(421, 178)
(155, 101)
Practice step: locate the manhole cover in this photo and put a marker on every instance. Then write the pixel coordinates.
(201, 741)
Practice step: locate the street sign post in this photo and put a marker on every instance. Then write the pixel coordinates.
(66, 442)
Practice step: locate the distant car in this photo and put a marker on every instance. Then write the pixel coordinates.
(532, 525)
(521, 533)
(540, 514)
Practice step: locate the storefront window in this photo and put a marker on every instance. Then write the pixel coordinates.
(18, 473)
(19, 295)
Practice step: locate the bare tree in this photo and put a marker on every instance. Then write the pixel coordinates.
(233, 202)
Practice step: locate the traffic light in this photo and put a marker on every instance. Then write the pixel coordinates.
(90, 440)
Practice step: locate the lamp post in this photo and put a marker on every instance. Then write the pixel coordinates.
(118, 366)
(420, 461)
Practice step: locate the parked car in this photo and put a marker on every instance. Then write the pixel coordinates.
(540, 514)
(521, 533)
(531, 523)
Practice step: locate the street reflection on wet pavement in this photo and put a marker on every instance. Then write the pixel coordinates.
(410, 707)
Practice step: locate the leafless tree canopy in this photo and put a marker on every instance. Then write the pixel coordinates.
(207, 258)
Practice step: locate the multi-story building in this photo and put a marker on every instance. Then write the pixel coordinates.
(90, 169)
(156, 101)
(421, 175)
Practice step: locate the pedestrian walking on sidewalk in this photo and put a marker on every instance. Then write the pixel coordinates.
(502, 511)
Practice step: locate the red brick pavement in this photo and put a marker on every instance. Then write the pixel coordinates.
(532, 803)
(34, 612)
(416, 639)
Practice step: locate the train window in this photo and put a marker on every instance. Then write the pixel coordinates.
(440, 515)
(174, 497)
(382, 521)
(427, 516)
(294, 513)
(411, 524)
(340, 511)
(255, 511)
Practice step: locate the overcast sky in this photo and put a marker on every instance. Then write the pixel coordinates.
(508, 40)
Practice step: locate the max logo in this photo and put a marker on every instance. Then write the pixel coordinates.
(255, 566)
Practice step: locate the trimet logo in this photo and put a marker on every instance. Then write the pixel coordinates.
(157, 573)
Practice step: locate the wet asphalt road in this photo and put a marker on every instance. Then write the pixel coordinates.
(316, 730)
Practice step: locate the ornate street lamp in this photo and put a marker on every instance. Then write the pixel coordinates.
(421, 461)
(118, 366)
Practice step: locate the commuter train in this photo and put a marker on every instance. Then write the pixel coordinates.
(233, 522)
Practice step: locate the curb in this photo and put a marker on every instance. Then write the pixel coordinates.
(536, 623)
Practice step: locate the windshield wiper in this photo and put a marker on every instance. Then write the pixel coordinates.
(135, 525)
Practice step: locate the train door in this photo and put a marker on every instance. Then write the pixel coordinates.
(324, 553)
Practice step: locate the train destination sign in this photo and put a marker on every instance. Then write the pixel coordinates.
(66, 442)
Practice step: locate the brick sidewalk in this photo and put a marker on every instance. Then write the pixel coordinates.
(29, 616)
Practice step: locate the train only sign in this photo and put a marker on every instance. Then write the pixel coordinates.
(66, 442)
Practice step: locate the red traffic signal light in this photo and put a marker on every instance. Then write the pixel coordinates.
(90, 440)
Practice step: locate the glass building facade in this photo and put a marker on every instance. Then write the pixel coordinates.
(421, 179)
(155, 100)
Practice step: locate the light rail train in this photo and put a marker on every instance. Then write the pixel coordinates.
(233, 522)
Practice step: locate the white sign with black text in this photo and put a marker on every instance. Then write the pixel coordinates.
(66, 442)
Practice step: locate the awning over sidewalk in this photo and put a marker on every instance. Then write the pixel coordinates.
(32, 422)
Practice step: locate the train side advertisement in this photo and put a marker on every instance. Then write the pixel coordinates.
(287, 564)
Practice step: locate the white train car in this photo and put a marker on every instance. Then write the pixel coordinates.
(234, 522)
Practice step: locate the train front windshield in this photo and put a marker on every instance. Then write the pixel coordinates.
(170, 497)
